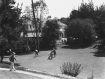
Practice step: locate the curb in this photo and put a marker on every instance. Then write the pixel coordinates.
(31, 74)
(44, 75)
(61, 76)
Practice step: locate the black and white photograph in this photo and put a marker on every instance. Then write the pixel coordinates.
(52, 39)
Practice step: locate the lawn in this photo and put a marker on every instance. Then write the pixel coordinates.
(85, 57)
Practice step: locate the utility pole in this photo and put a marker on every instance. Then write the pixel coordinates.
(36, 27)
(38, 9)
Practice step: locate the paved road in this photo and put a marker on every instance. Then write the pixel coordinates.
(6, 74)
(13, 75)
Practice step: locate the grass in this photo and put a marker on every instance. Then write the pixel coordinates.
(41, 62)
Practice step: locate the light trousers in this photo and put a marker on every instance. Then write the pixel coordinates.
(12, 67)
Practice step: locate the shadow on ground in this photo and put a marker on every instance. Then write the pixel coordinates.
(6, 64)
(99, 53)
(74, 47)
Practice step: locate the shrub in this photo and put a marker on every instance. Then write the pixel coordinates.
(21, 46)
(71, 69)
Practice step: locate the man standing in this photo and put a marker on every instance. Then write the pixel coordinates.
(12, 59)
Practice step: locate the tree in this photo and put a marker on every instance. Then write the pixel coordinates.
(49, 34)
(86, 10)
(10, 22)
(97, 15)
(80, 32)
(64, 20)
(26, 20)
(100, 21)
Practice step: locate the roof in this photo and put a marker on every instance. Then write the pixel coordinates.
(32, 34)
(62, 25)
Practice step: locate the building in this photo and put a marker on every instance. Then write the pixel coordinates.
(62, 36)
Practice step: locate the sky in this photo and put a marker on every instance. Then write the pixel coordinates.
(61, 8)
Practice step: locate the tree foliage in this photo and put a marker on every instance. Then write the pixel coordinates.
(100, 21)
(49, 34)
(86, 10)
(81, 31)
(64, 20)
(92, 13)
(40, 10)
(97, 14)
(10, 22)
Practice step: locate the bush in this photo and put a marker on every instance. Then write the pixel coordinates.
(71, 69)
(21, 47)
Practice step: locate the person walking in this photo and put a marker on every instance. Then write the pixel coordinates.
(12, 60)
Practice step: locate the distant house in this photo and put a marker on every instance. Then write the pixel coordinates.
(62, 29)
(30, 35)
(30, 30)
(62, 36)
